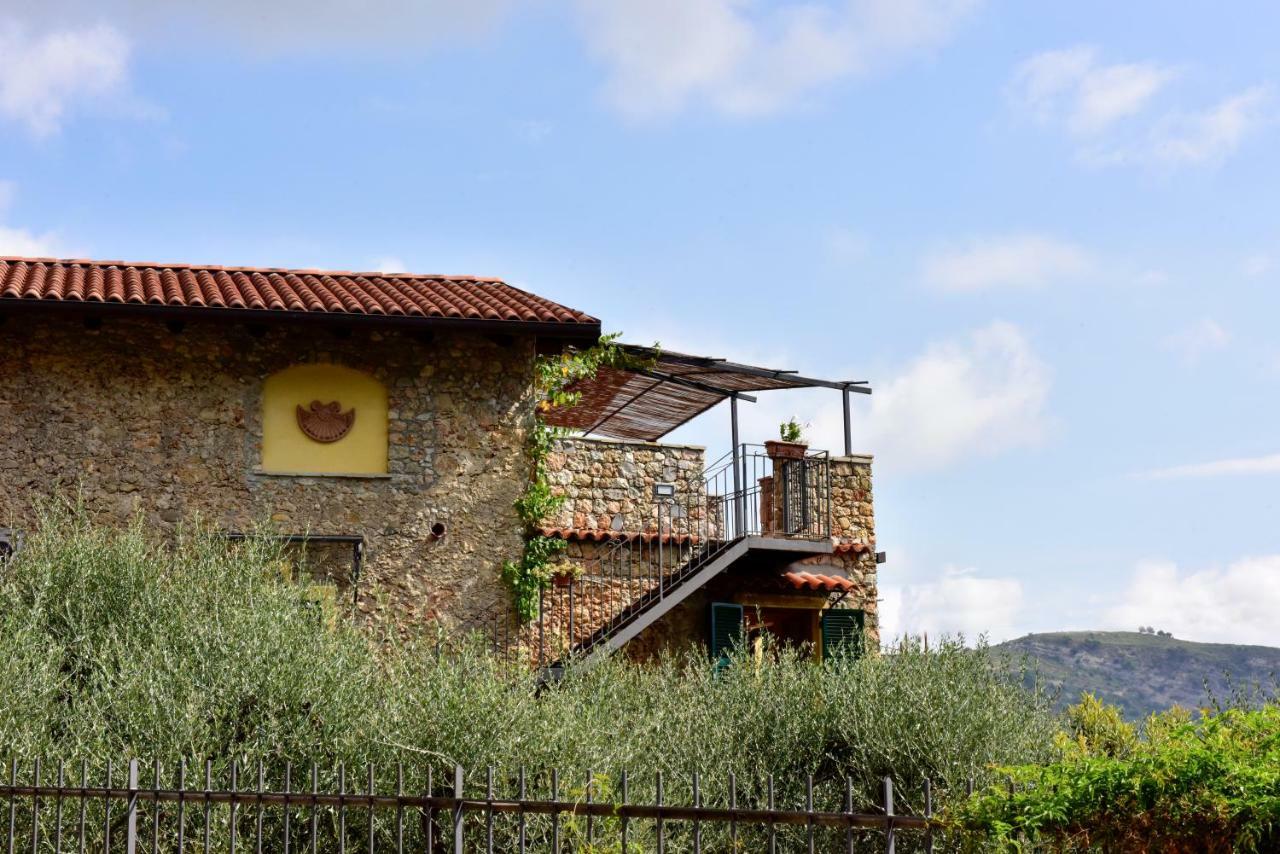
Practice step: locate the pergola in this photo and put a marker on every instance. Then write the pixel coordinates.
(646, 403)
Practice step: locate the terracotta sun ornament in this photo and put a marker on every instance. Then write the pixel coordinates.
(325, 422)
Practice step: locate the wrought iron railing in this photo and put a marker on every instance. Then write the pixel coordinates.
(754, 494)
(187, 806)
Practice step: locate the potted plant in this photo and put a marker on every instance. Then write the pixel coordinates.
(563, 573)
(790, 444)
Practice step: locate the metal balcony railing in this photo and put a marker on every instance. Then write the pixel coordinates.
(747, 494)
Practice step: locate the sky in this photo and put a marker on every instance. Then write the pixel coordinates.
(1044, 233)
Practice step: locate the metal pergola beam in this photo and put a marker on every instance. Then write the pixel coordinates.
(694, 384)
(724, 366)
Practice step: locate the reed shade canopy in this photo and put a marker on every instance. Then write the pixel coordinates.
(648, 402)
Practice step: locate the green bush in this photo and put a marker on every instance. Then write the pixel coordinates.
(1211, 784)
(116, 644)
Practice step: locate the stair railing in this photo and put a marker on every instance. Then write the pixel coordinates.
(687, 530)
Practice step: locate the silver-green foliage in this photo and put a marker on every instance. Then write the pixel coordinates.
(119, 644)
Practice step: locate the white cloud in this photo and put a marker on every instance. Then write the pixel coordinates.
(1010, 261)
(42, 77)
(1110, 111)
(21, 241)
(746, 59)
(389, 264)
(1257, 264)
(301, 25)
(1209, 136)
(1199, 339)
(1233, 604)
(533, 130)
(959, 601)
(1269, 464)
(845, 246)
(969, 397)
(976, 395)
(1070, 87)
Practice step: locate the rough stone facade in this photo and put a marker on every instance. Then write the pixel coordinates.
(145, 419)
(609, 490)
(853, 528)
(608, 484)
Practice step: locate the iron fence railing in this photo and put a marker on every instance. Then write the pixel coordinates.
(758, 495)
(181, 807)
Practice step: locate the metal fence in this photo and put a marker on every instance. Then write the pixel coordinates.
(188, 808)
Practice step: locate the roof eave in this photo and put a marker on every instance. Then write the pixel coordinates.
(578, 332)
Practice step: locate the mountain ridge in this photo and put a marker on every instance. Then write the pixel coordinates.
(1144, 673)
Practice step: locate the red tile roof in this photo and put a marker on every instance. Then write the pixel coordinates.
(813, 581)
(282, 293)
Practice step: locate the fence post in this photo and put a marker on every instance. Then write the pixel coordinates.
(13, 803)
(35, 810)
(928, 815)
(889, 836)
(131, 824)
(848, 808)
(662, 842)
(457, 812)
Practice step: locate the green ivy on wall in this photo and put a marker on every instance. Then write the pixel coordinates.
(554, 378)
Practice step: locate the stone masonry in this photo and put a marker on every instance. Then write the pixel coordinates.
(608, 487)
(608, 484)
(142, 419)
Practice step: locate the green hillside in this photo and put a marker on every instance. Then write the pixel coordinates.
(1144, 673)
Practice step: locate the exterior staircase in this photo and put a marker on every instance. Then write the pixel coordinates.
(751, 507)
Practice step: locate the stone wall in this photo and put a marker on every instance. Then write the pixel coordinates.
(853, 517)
(608, 484)
(854, 531)
(167, 424)
(592, 474)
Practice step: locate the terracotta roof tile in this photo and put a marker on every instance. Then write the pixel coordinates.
(271, 290)
(814, 581)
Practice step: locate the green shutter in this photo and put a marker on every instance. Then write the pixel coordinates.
(726, 629)
(842, 631)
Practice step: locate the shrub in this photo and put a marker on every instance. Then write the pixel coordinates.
(1211, 784)
(115, 644)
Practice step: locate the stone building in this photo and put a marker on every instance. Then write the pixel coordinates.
(379, 422)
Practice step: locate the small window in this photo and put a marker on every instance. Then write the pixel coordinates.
(324, 419)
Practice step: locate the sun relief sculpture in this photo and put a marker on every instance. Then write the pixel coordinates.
(325, 422)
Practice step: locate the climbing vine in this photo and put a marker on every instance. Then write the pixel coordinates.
(554, 378)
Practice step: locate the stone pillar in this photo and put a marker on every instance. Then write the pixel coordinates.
(767, 499)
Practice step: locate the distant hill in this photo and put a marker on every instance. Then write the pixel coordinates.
(1143, 673)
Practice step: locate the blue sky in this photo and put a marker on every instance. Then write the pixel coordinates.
(1045, 233)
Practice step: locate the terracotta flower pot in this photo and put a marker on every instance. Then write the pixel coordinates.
(780, 450)
(563, 579)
